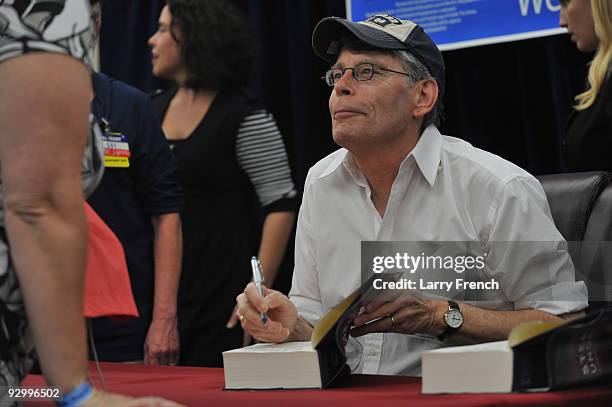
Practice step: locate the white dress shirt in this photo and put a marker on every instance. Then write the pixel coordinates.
(445, 190)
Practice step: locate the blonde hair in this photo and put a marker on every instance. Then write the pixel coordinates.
(601, 64)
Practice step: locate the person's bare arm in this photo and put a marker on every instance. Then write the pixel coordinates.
(274, 237)
(412, 314)
(44, 124)
(162, 343)
(484, 325)
(302, 331)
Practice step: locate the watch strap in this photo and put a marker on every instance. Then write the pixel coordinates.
(449, 330)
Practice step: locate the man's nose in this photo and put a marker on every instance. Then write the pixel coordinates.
(345, 84)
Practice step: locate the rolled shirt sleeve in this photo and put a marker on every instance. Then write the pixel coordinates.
(527, 253)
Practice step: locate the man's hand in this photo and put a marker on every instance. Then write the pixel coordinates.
(232, 321)
(162, 344)
(407, 314)
(282, 314)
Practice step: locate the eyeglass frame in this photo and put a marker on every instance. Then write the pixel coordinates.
(354, 70)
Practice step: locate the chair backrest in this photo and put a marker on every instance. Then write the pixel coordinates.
(581, 206)
(571, 198)
(596, 253)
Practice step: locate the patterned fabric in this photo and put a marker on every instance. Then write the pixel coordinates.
(260, 152)
(60, 26)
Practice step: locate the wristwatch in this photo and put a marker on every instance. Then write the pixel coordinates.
(453, 318)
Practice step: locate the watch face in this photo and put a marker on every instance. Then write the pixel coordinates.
(454, 318)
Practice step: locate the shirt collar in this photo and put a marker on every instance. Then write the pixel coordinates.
(335, 163)
(427, 154)
(345, 158)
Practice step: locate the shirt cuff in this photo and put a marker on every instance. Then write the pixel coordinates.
(562, 298)
(308, 309)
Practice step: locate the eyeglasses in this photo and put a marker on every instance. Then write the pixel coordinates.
(361, 72)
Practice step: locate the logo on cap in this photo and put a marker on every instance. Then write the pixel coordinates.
(384, 20)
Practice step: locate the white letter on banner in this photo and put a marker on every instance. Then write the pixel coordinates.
(524, 4)
(552, 7)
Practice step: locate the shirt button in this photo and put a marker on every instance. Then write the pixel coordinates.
(372, 353)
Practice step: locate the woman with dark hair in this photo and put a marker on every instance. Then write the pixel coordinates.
(229, 155)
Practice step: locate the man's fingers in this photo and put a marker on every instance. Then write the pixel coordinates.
(254, 326)
(246, 339)
(154, 358)
(162, 358)
(274, 299)
(373, 305)
(244, 311)
(383, 324)
(273, 337)
(271, 332)
(251, 318)
(241, 304)
(166, 357)
(380, 312)
(173, 358)
(254, 298)
(233, 319)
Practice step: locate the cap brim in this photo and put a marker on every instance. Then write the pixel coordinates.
(328, 32)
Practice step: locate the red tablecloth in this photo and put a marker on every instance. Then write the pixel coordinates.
(204, 387)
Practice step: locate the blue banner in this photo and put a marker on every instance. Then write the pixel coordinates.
(463, 23)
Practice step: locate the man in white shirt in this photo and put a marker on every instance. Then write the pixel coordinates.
(398, 179)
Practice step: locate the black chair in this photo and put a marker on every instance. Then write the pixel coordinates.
(581, 206)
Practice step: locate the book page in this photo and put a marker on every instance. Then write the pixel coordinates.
(527, 330)
(328, 321)
(286, 347)
(480, 347)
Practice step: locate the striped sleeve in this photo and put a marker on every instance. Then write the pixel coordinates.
(261, 154)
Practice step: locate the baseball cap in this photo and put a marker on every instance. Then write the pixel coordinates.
(380, 31)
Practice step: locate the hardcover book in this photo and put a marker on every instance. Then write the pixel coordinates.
(538, 356)
(293, 365)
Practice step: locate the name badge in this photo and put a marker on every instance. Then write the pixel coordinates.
(116, 150)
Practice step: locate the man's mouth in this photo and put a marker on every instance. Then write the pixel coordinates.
(345, 113)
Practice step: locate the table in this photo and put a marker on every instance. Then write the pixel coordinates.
(204, 387)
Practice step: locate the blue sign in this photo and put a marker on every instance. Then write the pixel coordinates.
(456, 24)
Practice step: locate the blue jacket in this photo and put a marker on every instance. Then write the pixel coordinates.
(127, 198)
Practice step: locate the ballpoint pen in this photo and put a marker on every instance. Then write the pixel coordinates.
(258, 280)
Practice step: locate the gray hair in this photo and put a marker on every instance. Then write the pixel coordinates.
(417, 71)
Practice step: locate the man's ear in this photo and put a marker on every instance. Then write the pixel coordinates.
(426, 95)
